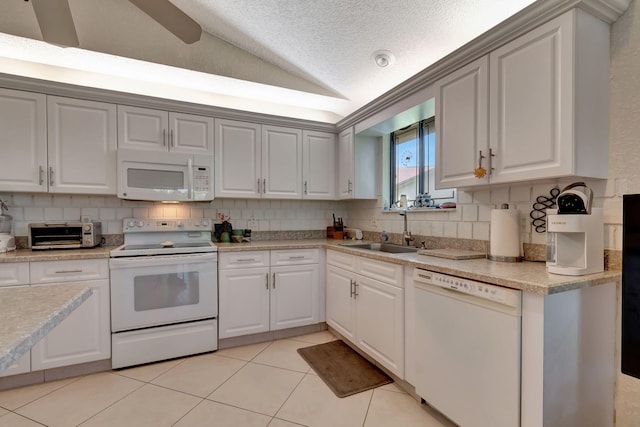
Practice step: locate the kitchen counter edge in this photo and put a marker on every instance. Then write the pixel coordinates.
(526, 276)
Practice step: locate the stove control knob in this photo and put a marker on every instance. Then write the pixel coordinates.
(180, 225)
(206, 223)
(196, 223)
(131, 224)
(139, 223)
(87, 227)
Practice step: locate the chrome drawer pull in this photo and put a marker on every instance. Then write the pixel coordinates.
(68, 271)
(273, 284)
(297, 257)
(246, 259)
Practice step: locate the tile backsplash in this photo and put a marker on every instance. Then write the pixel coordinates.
(259, 215)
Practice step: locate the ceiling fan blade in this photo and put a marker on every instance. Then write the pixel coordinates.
(172, 18)
(55, 21)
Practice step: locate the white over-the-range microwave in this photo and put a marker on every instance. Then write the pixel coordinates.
(159, 176)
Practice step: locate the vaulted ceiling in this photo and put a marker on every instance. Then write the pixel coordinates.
(306, 58)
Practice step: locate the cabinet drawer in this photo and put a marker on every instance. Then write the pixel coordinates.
(342, 260)
(14, 273)
(292, 257)
(69, 271)
(382, 271)
(243, 259)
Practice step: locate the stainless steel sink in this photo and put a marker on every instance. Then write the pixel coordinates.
(382, 247)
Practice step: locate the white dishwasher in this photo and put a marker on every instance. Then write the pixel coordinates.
(468, 337)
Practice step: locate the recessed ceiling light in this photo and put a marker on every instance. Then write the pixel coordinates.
(383, 58)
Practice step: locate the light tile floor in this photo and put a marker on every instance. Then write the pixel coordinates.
(266, 384)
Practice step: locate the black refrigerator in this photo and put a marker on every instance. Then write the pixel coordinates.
(630, 352)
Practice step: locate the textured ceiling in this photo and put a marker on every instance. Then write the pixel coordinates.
(317, 47)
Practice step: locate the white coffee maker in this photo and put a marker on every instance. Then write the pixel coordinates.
(575, 234)
(7, 240)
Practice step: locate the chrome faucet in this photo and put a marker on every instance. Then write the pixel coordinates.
(406, 234)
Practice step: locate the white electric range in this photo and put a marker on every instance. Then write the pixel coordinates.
(164, 291)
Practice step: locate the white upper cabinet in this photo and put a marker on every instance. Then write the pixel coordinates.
(238, 159)
(358, 166)
(149, 129)
(345, 164)
(23, 120)
(318, 165)
(272, 162)
(462, 124)
(546, 112)
(57, 144)
(81, 146)
(281, 163)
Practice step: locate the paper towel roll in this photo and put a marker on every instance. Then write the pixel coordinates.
(505, 235)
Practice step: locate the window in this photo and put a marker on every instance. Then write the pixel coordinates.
(413, 163)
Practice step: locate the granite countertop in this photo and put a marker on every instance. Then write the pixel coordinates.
(26, 255)
(527, 276)
(27, 314)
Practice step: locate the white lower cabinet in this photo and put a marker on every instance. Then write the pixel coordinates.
(244, 301)
(85, 335)
(263, 291)
(365, 304)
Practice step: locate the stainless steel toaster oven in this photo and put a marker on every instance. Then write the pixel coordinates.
(64, 235)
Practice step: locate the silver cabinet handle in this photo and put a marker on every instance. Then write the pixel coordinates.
(480, 157)
(273, 284)
(41, 176)
(258, 185)
(266, 276)
(305, 187)
(351, 282)
(297, 257)
(349, 186)
(264, 186)
(172, 138)
(164, 137)
(68, 271)
(246, 259)
(491, 156)
(50, 175)
(355, 289)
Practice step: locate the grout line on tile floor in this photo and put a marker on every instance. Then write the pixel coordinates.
(366, 414)
(142, 384)
(289, 397)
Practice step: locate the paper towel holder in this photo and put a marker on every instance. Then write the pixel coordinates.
(500, 257)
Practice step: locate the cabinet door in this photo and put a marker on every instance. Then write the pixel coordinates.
(243, 301)
(294, 296)
(318, 165)
(238, 153)
(281, 163)
(531, 104)
(340, 305)
(82, 146)
(143, 128)
(462, 125)
(84, 336)
(380, 322)
(23, 120)
(345, 164)
(190, 134)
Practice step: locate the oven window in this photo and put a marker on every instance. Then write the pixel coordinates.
(155, 179)
(156, 291)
